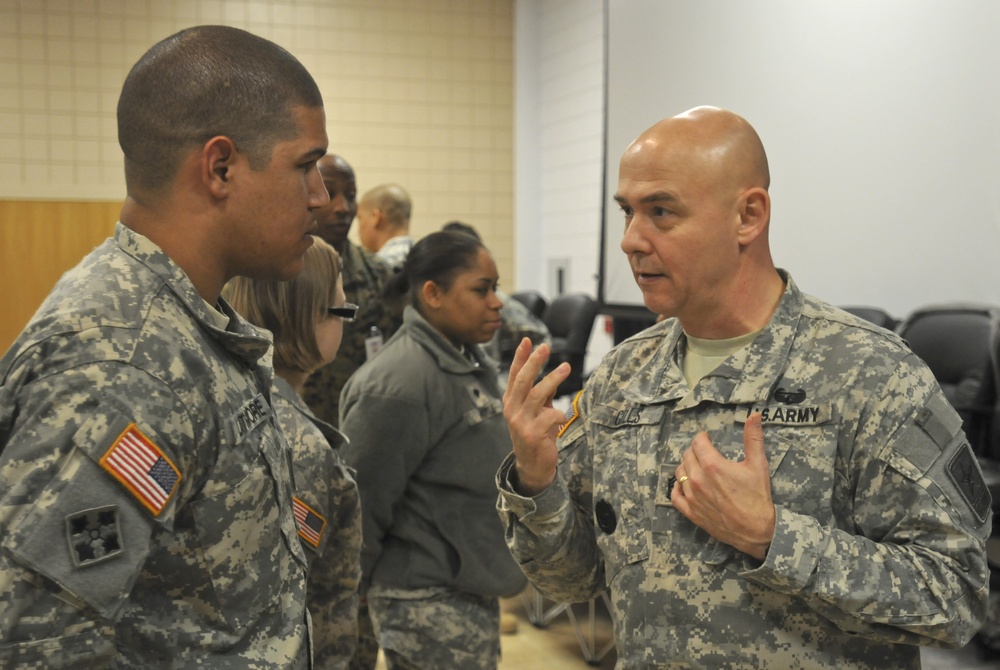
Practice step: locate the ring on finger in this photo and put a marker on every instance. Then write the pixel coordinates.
(682, 479)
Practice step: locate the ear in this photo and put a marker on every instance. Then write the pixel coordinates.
(378, 219)
(431, 294)
(218, 156)
(755, 213)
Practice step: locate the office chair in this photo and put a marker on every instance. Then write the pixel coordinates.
(533, 300)
(570, 320)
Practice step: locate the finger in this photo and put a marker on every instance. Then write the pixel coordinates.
(753, 439)
(545, 391)
(521, 354)
(528, 364)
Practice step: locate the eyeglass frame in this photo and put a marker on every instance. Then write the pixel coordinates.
(348, 312)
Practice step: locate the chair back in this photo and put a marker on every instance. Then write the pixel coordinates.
(570, 320)
(533, 300)
(958, 342)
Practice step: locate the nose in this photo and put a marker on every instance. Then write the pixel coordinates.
(634, 238)
(318, 195)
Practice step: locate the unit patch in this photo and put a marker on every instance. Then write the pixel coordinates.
(964, 472)
(310, 524)
(142, 468)
(93, 535)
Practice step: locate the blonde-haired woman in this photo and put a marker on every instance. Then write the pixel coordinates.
(306, 317)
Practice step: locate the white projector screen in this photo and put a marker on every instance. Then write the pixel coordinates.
(881, 120)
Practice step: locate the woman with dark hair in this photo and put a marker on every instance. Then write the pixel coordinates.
(427, 434)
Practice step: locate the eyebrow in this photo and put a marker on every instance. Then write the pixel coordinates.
(315, 154)
(657, 196)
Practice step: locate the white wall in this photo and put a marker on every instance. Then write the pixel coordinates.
(880, 120)
(559, 129)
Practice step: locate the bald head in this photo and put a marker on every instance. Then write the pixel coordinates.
(393, 202)
(716, 142)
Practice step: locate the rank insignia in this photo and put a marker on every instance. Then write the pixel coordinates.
(142, 468)
(94, 536)
(310, 524)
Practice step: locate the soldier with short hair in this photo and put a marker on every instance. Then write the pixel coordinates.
(146, 514)
(761, 480)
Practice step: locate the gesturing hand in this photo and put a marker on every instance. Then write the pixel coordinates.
(731, 500)
(531, 419)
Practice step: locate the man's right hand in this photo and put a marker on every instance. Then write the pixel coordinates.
(531, 419)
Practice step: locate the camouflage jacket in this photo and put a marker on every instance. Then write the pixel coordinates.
(882, 512)
(364, 279)
(145, 506)
(427, 434)
(328, 514)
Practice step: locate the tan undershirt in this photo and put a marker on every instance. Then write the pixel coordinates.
(703, 356)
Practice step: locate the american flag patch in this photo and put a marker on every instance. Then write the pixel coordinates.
(571, 414)
(310, 523)
(142, 468)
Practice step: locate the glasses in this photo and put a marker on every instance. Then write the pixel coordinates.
(348, 312)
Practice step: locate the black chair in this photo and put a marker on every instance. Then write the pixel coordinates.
(958, 342)
(533, 300)
(570, 320)
(875, 315)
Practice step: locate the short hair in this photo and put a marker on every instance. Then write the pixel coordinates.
(438, 257)
(393, 201)
(202, 82)
(291, 309)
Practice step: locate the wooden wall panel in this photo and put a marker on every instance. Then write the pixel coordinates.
(39, 241)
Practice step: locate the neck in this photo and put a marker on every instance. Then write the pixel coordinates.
(751, 302)
(295, 378)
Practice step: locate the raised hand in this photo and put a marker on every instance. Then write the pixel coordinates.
(531, 419)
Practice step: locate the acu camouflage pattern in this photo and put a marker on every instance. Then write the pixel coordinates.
(435, 628)
(364, 276)
(878, 546)
(217, 578)
(322, 480)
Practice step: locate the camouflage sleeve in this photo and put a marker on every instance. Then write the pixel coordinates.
(75, 536)
(551, 535)
(334, 577)
(384, 457)
(912, 567)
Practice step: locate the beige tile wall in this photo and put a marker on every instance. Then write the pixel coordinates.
(417, 91)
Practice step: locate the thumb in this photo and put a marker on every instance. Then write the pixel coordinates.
(753, 440)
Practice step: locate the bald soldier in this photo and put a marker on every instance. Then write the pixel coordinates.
(760, 480)
(146, 514)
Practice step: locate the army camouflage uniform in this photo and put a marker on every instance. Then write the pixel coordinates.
(463, 627)
(395, 251)
(145, 511)
(516, 322)
(364, 278)
(328, 514)
(881, 509)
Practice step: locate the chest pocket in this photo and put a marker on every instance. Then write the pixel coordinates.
(801, 448)
(238, 523)
(624, 449)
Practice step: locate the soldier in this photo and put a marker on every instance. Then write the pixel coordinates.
(145, 511)
(384, 223)
(306, 316)
(364, 276)
(426, 433)
(761, 480)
